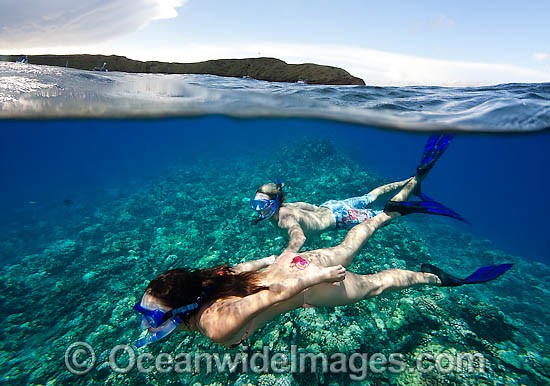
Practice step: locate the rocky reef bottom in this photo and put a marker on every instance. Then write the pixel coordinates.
(74, 277)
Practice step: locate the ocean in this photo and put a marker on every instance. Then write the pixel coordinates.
(111, 179)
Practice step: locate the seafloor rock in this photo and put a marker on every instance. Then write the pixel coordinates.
(89, 294)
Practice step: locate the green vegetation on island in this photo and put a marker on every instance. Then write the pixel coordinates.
(269, 69)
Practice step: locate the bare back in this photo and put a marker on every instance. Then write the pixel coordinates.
(313, 219)
(245, 315)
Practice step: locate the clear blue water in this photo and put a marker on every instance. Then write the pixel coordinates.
(496, 181)
(93, 168)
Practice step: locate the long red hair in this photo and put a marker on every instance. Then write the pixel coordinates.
(179, 287)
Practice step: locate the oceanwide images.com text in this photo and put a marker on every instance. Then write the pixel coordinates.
(80, 359)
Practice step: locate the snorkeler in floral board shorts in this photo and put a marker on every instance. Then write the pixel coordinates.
(299, 220)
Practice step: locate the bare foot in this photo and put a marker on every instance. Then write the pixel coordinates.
(334, 274)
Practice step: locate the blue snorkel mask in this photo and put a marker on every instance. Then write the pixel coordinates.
(266, 207)
(163, 322)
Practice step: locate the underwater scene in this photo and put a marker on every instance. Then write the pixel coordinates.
(111, 179)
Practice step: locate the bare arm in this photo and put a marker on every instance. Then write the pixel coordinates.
(296, 235)
(254, 265)
(221, 321)
(297, 239)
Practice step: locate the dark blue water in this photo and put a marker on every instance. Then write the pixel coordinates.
(57, 168)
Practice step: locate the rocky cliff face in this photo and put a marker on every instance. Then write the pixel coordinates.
(269, 69)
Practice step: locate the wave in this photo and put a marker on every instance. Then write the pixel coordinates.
(39, 92)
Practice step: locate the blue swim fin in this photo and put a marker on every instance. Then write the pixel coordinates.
(481, 275)
(426, 206)
(487, 273)
(417, 191)
(435, 147)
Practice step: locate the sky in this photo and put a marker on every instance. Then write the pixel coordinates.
(386, 43)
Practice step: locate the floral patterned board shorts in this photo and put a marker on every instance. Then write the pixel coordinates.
(351, 211)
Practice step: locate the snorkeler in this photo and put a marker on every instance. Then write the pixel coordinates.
(299, 220)
(227, 304)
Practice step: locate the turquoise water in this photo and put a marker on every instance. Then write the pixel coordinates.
(95, 208)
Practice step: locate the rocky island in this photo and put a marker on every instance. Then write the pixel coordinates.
(269, 69)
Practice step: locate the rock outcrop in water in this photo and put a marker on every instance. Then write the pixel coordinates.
(269, 69)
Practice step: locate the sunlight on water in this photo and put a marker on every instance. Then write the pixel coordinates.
(50, 92)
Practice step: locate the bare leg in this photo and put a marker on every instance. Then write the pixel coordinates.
(365, 201)
(343, 253)
(403, 194)
(407, 186)
(381, 190)
(357, 287)
(356, 238)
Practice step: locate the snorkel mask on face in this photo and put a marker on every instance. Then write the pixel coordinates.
(266, 207)
(161, 322)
